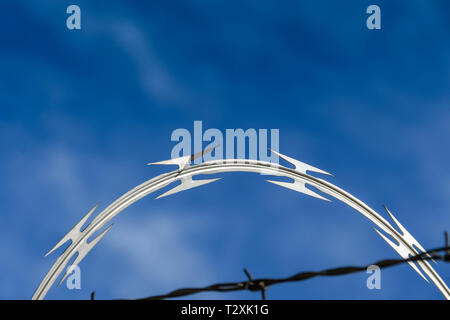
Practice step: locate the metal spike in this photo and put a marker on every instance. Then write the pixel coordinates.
(63, 278)
(74, 232)
(399, 225)
(181, 162)
(402, 253)
(300, 166)
(298, 186)
(184, 161)
(185, 185)
(408, 236)
(84, 250)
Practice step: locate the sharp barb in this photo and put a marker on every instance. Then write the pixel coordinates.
(202, 153)
(402, 229)
(414, 266)
(74, 232)
(392, 244)
(300, 166)
(299, 187)
(183, 162)
(407, 235)
(185, 185)
(91, 244)
(402, 254)
(66, 238)
(62, 279)
(84, 250)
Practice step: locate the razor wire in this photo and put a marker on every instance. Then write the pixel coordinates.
(401, 241)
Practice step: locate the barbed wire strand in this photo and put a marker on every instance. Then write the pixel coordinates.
(262, 284)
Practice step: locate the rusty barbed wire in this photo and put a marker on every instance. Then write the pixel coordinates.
(262, 284)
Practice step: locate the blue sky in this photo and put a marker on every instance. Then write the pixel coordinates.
(82, 112)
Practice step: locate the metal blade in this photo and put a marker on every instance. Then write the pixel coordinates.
(408, 236)
(402, 252)
(84, 250)
(184, 161)
(74, 232)
(185, 185)
(298, 186)
(300, 166)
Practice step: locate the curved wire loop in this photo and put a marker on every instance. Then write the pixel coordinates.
(400, 240)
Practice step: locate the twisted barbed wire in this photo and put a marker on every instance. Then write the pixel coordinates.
(401, 241)
(262, 284)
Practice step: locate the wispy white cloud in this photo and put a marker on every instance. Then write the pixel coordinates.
(160, 254)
